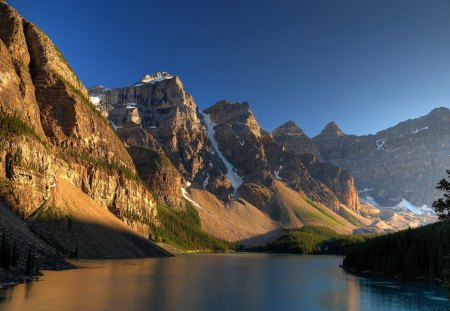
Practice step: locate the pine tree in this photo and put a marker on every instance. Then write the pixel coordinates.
(442, 205)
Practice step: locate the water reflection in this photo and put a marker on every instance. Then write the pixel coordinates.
(218, 282)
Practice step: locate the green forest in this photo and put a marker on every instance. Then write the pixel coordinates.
(183, 230)
(412, 253)
(311, 240)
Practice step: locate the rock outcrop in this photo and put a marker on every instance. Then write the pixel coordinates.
(336, 179)
(51, 132)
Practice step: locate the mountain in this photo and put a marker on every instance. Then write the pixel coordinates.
(67, 183)
(401, 163)
(107, 172)
(223, 153)
(291, 136)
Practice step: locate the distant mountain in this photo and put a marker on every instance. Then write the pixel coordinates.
(401, 163)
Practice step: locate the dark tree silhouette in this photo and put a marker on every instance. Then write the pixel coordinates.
(442, 205)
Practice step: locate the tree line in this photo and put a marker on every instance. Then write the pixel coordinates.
(310, 240)
(413, 253)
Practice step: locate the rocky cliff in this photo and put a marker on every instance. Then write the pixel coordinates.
(164, 110)
(52, 135)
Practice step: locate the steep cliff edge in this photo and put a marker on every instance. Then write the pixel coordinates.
(51, 134)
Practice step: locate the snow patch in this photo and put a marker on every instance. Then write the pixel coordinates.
(152, 79)
(186, 196)
(205, 183)
(95, 100)
(380, 144)
(241, 142)
(277, 172)
(405, 205)
(115, 127)
(235, 179)
(419, 130)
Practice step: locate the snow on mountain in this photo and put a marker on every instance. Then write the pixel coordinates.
(95, 100)
(277, 172)
(235, 179)
(405, 205)
(156, 77)
(380, 144)
(187, 197)
(419, 130)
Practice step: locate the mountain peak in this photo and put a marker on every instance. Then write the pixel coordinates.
(439, 111)
(225, 106)
(289, 128)
(156, 77)
(332, 129)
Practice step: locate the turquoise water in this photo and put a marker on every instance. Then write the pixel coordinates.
(219, 282)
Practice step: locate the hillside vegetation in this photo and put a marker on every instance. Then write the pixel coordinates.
(312, 240)
(183, 230)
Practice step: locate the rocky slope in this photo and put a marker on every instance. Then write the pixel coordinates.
(51, 135)
(258, 159)
(401, 162)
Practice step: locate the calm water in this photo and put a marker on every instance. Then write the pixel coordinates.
(218, 282)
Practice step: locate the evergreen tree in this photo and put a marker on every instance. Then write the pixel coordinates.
(442, 205)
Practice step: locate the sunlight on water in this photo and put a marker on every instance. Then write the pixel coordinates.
(219, 282)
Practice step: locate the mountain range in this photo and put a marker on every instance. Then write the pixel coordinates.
(100, 172)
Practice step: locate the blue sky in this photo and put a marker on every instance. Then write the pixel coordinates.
(366, 64)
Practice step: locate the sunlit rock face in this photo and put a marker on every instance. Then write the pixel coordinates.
(55, 133)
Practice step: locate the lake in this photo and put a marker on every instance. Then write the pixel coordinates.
(219, 282)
